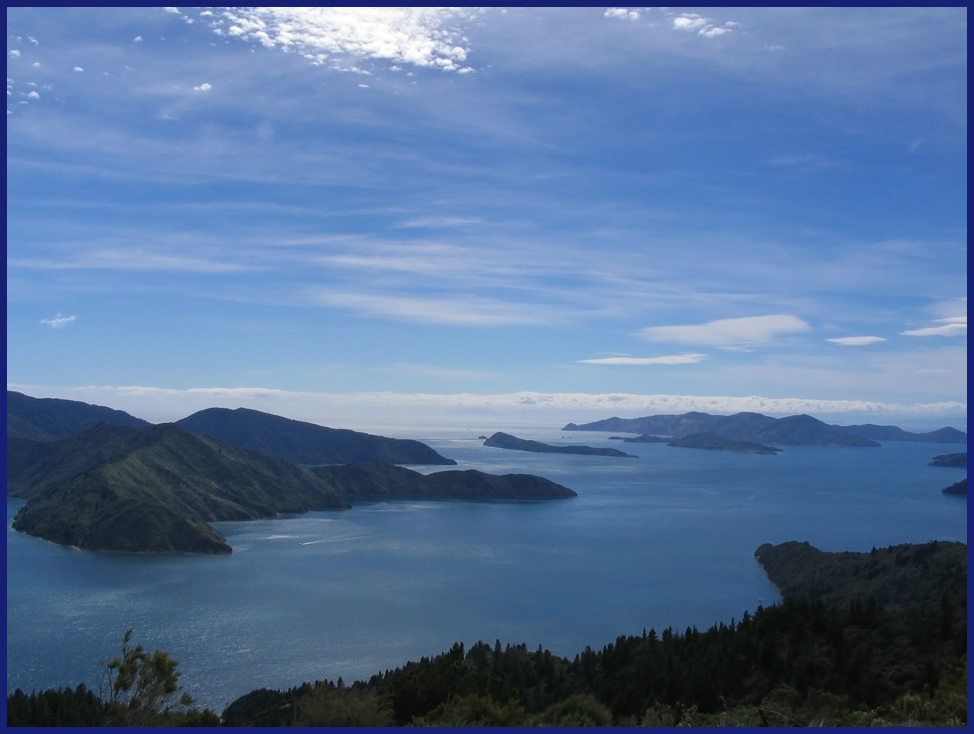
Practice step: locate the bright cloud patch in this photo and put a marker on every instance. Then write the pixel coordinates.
(856, 341)
(59, 321)
(953, 326)
(706, 27)
(204, 87)
(729, 332)
(670, 359)
(621, 14)
(426, 37)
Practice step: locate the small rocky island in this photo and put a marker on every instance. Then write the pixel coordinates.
(506, 441)
(955, 461)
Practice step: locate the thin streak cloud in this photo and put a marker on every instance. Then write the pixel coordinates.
(669, 359)
(856, 341)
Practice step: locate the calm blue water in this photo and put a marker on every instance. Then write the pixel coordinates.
(663, 540)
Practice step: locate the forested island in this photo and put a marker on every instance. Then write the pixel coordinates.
(506, 441)
(859, 639)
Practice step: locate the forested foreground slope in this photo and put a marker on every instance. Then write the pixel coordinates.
(803, 662)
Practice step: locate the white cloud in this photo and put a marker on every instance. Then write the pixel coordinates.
(423, 37)
(713, 31)
(137, 39)
(78, 68)
(744, 331)
(621, 14)
(15, 53)
(952, 326)
(33, 95)
(59, 321)
(856, 341)
(204, 87)
(690, 358)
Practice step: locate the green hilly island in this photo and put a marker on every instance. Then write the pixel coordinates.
(121, 484)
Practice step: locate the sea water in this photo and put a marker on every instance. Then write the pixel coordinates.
(663, 540)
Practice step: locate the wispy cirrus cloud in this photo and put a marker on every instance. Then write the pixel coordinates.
(692, 358)
(745, 331)
(856, 341)
(59, 321)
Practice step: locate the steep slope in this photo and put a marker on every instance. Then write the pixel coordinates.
(385, 481)
(155, 490)
(47, 419)
(306, 443)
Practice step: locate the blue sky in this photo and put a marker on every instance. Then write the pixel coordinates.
(371, 216)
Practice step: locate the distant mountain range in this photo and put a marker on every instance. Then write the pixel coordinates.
(506, 441)
(100, 479)
(796, 430)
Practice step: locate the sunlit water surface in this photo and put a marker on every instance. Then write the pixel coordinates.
(663, 540)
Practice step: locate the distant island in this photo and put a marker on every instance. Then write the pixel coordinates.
(796, 430)
(954, 461)
(716, 442)
(506, 441)
(99, 479)
(893, 433)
